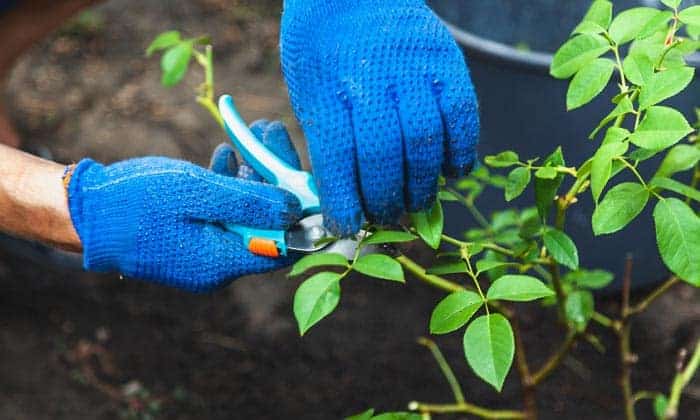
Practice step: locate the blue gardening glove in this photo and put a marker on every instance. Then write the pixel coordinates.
(385, 100)
(160, 219)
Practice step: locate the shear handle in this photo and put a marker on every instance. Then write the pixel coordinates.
(273, 169)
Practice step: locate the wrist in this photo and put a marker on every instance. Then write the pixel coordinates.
(33, 201)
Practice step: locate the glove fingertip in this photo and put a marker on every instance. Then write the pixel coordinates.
(223, 160)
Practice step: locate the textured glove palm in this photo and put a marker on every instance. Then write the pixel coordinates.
(385, 100)
(160, 219)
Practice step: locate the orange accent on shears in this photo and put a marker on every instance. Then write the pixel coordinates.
(263, 247)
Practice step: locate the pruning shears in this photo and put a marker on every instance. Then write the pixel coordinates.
(308, 235)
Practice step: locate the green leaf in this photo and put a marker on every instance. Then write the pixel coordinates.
(588, 27)
(448, 268)
(389, 236)
(429, 224)
(593, 279)
(628, 24)
(503, 159)
(673, 4)
(546, 172)
(675, 186)
(619, 207)
(454, 311)
(660, 404)
(640, 155)
(489, 346)
(690, 16)
(680, 158)
(317, 260)
(365, 415)
(398, 415)
(496, 271)
(561, 247)
(163, 41)
(518, 179)
(661, 127)
(589, 82)
(655, 24)
(579, 308)
(623, 107)
(678, 238)
(445, 195)
(638, 68)
(315, 299)
(693, 31)
(576, 53)
(517, 288)
(379, 266)
(599, 14)
(485, 265)
(601, 168)
(546, 189)
(174, 63)
(665, 84)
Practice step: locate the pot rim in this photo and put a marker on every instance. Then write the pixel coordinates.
(536, 61)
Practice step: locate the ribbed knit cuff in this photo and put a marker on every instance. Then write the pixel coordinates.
(85, 173)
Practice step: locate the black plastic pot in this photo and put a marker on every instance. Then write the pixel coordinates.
(523, 109)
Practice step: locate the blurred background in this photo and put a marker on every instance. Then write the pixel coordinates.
(81, 346)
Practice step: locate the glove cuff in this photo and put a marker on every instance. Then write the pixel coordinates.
(98, 246)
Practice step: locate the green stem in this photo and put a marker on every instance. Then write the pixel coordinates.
(644, 303)
(472, 208)
(602, 320)
(206, 98)
(623, 81)
(555, 359)
(445, 368)
(681, 380)
(482, 412)
(433, 280)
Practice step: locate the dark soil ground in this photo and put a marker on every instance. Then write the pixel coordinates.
(75, 345)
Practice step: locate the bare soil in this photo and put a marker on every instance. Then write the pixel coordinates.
(81, 346)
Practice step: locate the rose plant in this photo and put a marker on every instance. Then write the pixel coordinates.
(525, 255)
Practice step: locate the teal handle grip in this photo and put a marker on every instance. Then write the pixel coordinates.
(247, 234)
(273, 169)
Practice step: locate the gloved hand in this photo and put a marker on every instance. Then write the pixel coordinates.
(160, 219)
(385, 100)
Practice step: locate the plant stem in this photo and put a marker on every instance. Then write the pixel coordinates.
(442, 283)
(626, 360)
(626, 357)
(206, 99)
(526, 381)
(472, 208)
(680, 381)
(554, 267)
(623, 81)
(602, 319)
(555, 359)
(433, 280)
(644, 303)
(445, 368)
(453, 241)
(483, 412)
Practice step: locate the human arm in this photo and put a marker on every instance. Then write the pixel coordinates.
(33, 200)
(160, 219)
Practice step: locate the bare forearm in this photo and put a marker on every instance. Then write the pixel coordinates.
(33, 201)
